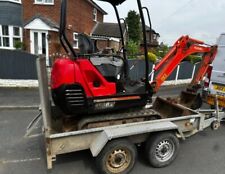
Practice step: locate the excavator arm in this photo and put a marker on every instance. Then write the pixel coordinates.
(182, 48)
(207, 59)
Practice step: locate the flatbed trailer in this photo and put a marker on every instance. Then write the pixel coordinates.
(114, 145)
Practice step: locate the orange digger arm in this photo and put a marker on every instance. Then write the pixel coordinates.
(183, 47)
(207, 59)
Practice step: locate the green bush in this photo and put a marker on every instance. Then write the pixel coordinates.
(132, 49)
(193, 58)
(19, 45)
(161, 51)
(152, 57)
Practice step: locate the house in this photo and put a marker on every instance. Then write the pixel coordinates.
(107, 35)
(154, 37)
(35, 23)
(41, 23)
(10, 25)
(151, 33)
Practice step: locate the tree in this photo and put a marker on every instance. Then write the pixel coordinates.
(194, 58)
(133, 22)
(161, 51)
(132, 49)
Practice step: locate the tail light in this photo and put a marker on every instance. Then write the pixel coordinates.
(208, 77)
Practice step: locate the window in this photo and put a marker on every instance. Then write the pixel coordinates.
(94, 14)
(5, 36)
(10, 36)
(16, 36)
(75, 40)
(46, 2)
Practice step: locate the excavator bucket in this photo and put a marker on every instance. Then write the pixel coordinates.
(190, 99)
(169, 109)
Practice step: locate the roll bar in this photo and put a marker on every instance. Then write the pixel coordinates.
(69, 49)
(62, 34)
(145, 45)
(114, 3)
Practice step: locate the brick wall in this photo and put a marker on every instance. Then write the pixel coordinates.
(115, 45)
(79, 18)
(101, 44)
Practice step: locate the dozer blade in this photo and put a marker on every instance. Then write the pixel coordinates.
(190, 99)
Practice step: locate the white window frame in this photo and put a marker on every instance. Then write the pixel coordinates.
(43, 2)
(75, 40)
(95, 14)
(11, 36)
(16, 36)
(15, 1)
(5, 36)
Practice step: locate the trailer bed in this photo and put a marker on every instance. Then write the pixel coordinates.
(170, 116)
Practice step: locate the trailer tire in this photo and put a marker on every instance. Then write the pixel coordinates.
(162, 149)
(215, 125)
(117, 157)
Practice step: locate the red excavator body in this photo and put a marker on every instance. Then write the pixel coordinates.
(79, 87)
(83, 73)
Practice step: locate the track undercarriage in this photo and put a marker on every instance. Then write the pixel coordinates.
(161, 109)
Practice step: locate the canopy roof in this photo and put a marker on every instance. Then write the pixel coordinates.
(114, 2)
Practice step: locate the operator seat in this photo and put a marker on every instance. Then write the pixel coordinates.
(86, 45)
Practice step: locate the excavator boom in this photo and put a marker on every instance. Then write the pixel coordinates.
(182, 48)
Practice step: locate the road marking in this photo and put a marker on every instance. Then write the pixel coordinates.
(19, 161)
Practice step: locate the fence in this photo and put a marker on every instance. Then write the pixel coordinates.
(21, 65)
(16, 64)
(185, 70)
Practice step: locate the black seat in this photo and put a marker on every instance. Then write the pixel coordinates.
(134, 87)
(86, 45)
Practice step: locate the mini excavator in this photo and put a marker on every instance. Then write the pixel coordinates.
(86, 85)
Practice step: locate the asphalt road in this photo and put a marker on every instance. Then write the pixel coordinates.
(30, 96)
(19, 97)
(201, 154)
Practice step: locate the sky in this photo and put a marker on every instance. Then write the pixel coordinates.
(200, 19)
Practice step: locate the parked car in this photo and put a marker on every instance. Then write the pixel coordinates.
(215, 79)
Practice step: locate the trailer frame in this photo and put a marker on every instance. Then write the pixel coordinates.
(95, 139)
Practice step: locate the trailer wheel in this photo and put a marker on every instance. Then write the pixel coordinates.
(215, 125)
(118, 156)
(162, 149)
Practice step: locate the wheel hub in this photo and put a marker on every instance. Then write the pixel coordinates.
(118, 160)
(164, 150)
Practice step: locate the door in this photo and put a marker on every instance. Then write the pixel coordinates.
(39, 44)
